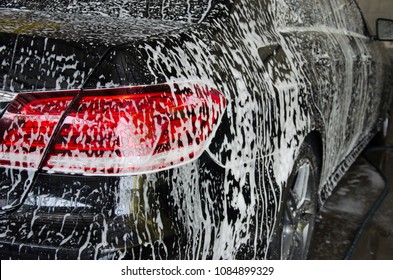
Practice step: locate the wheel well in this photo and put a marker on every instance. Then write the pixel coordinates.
(314, 138)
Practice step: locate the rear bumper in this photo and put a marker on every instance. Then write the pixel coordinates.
(134, 217)
(9, 250)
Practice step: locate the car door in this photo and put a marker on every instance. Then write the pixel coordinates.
(329, 40)
(362, 72)
(309, 30)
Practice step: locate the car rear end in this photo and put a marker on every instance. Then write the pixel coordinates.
(100, 156)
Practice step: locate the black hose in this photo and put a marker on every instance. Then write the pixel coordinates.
(377, 203)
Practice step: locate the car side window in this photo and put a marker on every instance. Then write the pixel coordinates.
(348, 16)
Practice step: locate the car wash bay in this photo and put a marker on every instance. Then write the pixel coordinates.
(341, 231)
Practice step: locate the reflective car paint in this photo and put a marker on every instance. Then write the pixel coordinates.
(287, 72)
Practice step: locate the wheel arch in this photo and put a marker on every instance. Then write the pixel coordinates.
(314, 138)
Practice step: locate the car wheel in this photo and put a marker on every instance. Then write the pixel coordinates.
(297, 214)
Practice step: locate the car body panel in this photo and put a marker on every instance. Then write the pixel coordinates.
(285, 79)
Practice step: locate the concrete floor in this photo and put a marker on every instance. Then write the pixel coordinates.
(377, 240)
(345, 211)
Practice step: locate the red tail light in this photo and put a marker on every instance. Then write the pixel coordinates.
(119, 131)
(28, 125)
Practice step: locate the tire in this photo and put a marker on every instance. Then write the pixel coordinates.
(297, 214)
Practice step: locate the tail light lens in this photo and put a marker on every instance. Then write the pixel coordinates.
(114, 131)
(28, 125)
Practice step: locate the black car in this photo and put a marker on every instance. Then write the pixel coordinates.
(177, 129)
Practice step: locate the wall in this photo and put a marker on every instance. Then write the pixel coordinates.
(374, 9)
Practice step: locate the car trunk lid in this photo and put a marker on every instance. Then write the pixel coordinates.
(41, 51)
(54, 52)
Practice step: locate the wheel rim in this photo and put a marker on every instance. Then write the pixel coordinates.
(299, 216)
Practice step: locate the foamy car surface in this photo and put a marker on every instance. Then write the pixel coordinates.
(180, 129)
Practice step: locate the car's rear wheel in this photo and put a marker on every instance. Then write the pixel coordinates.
(297, 214)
